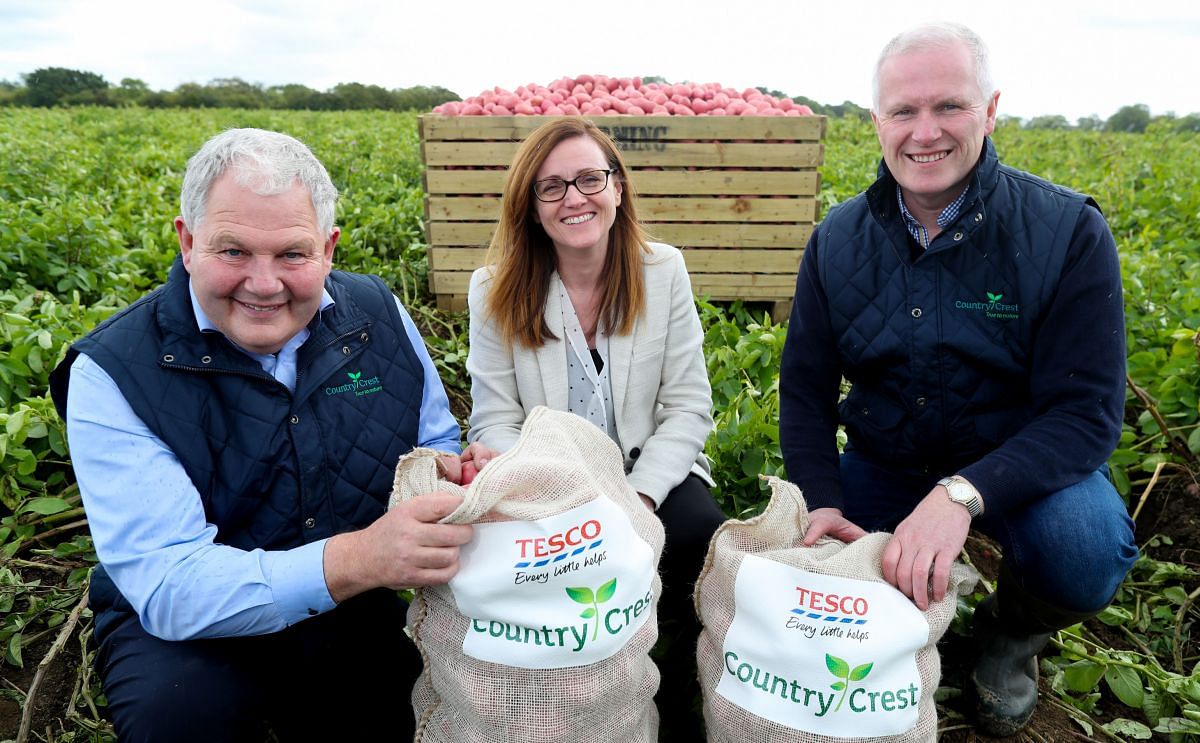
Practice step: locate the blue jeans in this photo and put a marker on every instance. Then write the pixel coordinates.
(1070, 549)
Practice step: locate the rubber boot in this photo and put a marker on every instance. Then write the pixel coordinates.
(1011, 627)
(1004, 679)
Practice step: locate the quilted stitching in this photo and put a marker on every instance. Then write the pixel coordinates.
(260, 476)
(967, 369)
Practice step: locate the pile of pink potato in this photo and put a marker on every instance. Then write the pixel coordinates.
(599, 95)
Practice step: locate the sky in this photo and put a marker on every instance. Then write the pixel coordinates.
(1070, 57)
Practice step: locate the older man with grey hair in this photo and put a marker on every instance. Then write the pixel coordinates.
(976, 312)
(234, 434)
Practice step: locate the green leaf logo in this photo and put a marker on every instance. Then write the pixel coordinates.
(993, 298)
(585, 595)
(842, 671)
(354, 375)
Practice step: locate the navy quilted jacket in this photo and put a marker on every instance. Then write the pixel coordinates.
(998, 353)
(274, 469)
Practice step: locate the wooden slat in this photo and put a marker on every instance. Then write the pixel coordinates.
(666, 154)
(698, 260)
(717, 285)
(649, 182)
(631, 128)
(677, 234)
(650, 209)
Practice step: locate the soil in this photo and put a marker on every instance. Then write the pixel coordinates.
(1173, 512)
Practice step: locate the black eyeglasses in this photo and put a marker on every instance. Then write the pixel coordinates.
(587, 183)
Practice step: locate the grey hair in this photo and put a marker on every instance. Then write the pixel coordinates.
(936, 36)
(267, 163)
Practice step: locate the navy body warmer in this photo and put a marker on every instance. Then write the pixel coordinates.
(937, 345)
(274, 469)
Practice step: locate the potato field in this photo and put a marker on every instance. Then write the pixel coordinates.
(87, 197)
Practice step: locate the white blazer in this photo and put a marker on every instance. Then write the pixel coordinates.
(663, 401)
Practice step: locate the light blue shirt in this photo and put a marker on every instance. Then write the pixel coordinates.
(148, 522)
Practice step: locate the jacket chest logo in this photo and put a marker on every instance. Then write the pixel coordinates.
(994, 308)
(356, 385)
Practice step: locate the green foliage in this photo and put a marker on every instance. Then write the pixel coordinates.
(52, 86)
(742, 356)
(1129, 119)
(1148, 608)
(58, 86)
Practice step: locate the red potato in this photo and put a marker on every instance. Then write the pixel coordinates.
(469, 472)
(596, 94)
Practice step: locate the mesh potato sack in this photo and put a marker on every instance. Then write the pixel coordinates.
(545, 632)
(807, 644)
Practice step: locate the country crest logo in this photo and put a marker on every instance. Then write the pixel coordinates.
(600, 622)
(994, 308)
(356, 385)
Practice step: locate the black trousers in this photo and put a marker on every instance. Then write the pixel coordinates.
(345, 675)
(690, 516)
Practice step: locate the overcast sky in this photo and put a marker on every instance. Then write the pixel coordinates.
(1069, 57)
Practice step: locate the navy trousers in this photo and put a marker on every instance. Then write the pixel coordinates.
(344, 675)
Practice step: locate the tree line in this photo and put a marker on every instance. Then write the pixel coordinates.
(60, 86)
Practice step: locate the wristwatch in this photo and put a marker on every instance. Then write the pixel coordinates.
(963, 493)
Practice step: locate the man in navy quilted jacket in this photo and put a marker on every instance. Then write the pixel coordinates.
(975, 311)
(234, 434)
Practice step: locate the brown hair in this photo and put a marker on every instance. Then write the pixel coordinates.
(523, 255)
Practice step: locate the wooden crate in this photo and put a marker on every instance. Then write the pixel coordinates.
(737, 194)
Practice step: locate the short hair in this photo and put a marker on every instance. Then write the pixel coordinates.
(522, 255)
(267, 163)
(934, 36)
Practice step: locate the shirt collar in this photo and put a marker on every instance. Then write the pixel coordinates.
(945, 219)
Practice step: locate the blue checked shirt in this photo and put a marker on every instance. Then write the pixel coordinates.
(917, 230)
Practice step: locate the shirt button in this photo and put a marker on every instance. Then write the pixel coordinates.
(346, 350)
(294, 419)
(978, 217)
(916, 312)
(310, 522)
(921, 402)
(958, 236)
(364, 337)
(635, 452)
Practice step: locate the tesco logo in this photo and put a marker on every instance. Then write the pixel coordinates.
(576, 536)
(832, 602)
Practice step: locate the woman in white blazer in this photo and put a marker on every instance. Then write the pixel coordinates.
(578, 311)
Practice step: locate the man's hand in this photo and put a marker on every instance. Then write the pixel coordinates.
(830, 522)
(461, 470)
(404, 548)
(925, 545)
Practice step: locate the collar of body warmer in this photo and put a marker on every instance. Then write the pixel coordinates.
(280, 365)
(916, 229)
